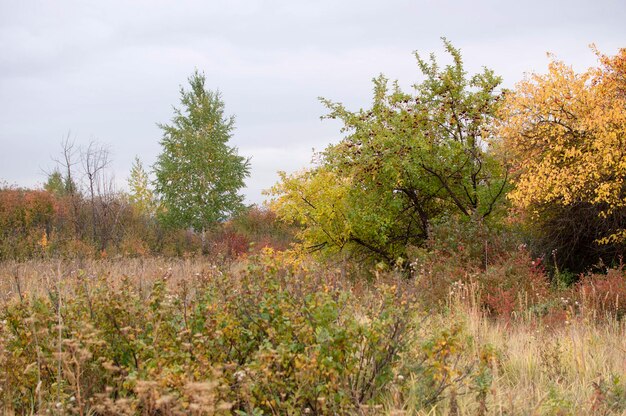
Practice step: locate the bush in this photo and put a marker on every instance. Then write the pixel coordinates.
(25, 222)
(279, 338)
(603, 295)
(569, 236)
(482, 263)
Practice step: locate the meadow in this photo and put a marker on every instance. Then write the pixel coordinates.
(274, 334)
(459, 252)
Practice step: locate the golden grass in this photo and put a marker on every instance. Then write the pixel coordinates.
(562, 370)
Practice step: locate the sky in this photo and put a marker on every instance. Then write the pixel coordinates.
(110, 71)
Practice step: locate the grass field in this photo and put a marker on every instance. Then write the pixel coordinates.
(270, 335)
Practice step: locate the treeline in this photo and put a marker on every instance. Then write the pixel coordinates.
(80, 214)
(458, 158)
(193, 204)
(39, 223)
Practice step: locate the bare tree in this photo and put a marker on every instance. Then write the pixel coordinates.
(94, 160)
(96, 207)
(111, 208)
(67, 161)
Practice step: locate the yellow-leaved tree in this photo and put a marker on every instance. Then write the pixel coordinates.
(318, 203)
(566, 133)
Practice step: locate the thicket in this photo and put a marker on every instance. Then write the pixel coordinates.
(279, 335)
(275, 338)
(544, 160)
(43, 224)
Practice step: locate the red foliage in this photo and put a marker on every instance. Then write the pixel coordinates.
(21, 209)
(514, 284)
(230, 244)
(501, 302)
(26, 219)
(603, 294)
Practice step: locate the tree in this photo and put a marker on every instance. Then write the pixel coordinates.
(67, 162)
(141, 195)
(95, 160)
(566, 132)
(407, 161)
(55, 183)
(317, 200)
(71, 192)
(198, 175)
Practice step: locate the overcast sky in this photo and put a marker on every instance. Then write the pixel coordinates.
(110, 70)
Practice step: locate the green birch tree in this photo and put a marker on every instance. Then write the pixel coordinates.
(198, 174)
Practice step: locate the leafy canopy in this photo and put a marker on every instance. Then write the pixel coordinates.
(198, 175)
(567, 133)
(408, 160)
(55, 184)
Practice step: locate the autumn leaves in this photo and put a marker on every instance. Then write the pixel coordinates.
(456, 146)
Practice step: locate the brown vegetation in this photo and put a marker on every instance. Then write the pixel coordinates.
(273, 334)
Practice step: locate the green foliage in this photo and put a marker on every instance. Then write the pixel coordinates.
(198, 175)
(141, 196)
(276, 340)
(557, 405)
(317, 201)
(406, 161)
(60, 185)
(55, 184)
(610, 395)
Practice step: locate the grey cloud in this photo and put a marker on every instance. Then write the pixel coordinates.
(111, 70)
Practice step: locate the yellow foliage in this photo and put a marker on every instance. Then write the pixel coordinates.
(315, 199)
(566, 132)
(44, 240)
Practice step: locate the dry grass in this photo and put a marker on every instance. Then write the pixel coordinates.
(541, 368)
(37, 277)
(576, 367)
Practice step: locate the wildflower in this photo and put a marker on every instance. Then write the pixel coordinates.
(240, 375)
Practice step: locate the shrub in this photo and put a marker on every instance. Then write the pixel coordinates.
(25, 218)
(279, 338)
(262, 227)
(227, 244)
(603, 294)
(480, 263)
